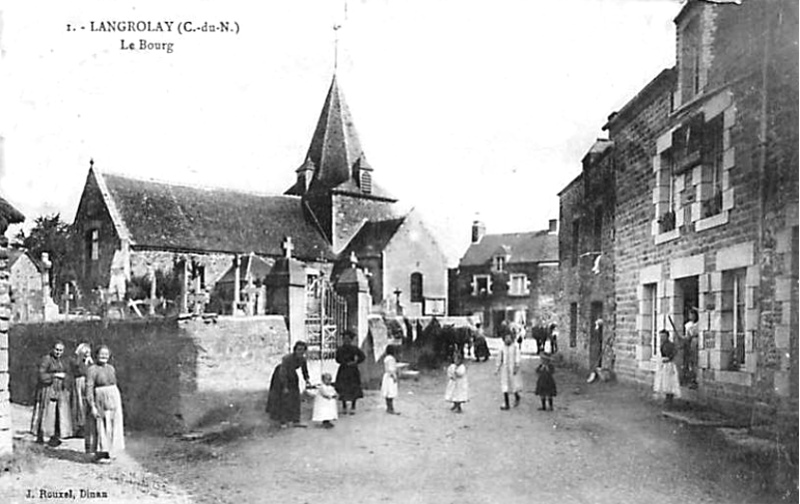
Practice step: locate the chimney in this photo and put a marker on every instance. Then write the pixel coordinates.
(478, 231)
(553, 226)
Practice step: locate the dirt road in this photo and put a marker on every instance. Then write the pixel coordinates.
(604, 443)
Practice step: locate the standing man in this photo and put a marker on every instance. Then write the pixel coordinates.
(690, 346)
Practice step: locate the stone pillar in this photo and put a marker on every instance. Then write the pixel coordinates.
(237, 287)
(286, 295)
(354, 287)
(6, 439)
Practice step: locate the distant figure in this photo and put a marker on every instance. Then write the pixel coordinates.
(481, 347)
(546, 384)
(283, 401)
(78, 406)
(348, 377)
(105, 405)
(325, 408)
(551, 341)
(51, 413)
(508, 366)
(457, 390)
(389, 383)
(666, 379)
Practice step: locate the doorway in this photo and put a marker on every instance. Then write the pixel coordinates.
(595, 335)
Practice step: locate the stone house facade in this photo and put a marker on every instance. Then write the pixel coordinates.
(586, 261)
(706, 212)
(512, 276)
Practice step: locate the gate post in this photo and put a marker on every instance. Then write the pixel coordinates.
(352, 285)
(286, 295)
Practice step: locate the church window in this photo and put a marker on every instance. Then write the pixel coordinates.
(416, 287)
(94, 244)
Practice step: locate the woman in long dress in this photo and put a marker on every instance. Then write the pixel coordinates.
(51, 412)
(508, 366)
(348, 377)
(666, 379)
(283, 401)
(78, 405)
(105, 405)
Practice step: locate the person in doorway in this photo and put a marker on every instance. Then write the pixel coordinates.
(690, 345)
(283, 401)
(105, 405)
(51, 412)
(389, 382)
(325, 409)
(348, 377)
(481, 350)
(550, 345)
(508, 366)
(78, 406)
(545, 383)
(457, 390)
(666, 378)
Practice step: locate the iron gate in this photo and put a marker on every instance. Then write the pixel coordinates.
(326, 318)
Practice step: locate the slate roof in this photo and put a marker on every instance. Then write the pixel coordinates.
(166, 216)
(372, 238)
(15, 254)
(532, 247)
(335, 150)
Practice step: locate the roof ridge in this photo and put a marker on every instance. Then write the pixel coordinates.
(187, 185)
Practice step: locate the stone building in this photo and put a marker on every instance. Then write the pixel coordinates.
(188, 238)
(706, 212)
(586, 260)
(28, 296)
(511, 276)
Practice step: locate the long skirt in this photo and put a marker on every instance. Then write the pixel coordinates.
(284, 407)
(666, 380)
(545, 385)
(51, 412)
(348, 383)
(325, 409)
(457, 390)
(510, 382)
(78, 406)
(110, 432)
(388, 386)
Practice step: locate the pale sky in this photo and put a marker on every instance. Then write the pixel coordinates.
(464, 108)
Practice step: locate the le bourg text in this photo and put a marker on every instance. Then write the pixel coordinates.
(152, 36)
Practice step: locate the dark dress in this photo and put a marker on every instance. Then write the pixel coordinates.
(348, 378)
(51, 412)
(481, 348)
(283, 401)
(545, 385)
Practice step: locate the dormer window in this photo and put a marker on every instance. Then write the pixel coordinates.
(499, 263)
(366, 182)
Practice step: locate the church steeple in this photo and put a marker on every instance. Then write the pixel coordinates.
(335, 146)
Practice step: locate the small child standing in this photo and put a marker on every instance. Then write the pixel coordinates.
(457, 390)
(325, 405)
(508, 367)
(545, 384)
(389, 383)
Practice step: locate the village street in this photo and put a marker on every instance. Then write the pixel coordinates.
(604, 443)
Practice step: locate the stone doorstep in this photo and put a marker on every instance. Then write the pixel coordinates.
(745, 440)
(700, 418)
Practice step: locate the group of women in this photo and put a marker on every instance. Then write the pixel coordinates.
(283, 401)
(78, 397)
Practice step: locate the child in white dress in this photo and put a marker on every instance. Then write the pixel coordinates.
(325, 405)
(457, 390)
(389, 383)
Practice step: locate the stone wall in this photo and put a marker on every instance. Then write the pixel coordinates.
(172, 376)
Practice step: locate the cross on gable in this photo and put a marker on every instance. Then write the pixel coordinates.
(288, 247)
(353, 259)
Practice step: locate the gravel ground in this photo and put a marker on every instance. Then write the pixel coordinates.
(604, 443)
